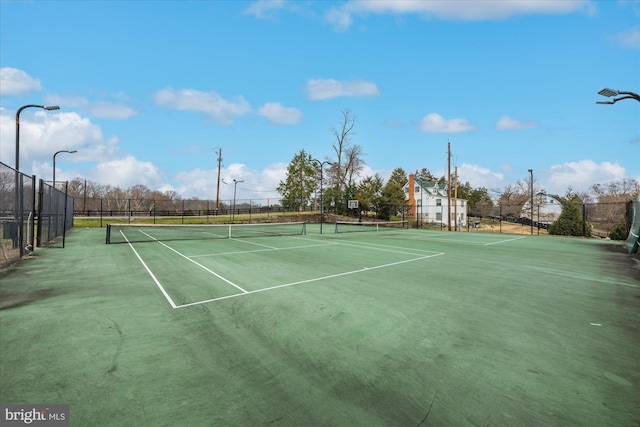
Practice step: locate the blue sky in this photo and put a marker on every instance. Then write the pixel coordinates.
(149, 90)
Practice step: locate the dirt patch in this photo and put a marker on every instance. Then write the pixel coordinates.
(12, 299)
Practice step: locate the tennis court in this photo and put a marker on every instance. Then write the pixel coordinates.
(220, 265)
(387, 327)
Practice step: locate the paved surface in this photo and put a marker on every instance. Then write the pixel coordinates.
(402, 329)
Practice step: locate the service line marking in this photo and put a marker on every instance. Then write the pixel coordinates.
(317, 279)
(200, 265)
(253, 243)
(505, 241)
(157, 282)
(261, 250)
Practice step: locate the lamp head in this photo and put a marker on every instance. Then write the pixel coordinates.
(608, 92)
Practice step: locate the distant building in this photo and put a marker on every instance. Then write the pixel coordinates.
(428, 203)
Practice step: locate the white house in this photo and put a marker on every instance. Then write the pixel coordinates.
(428, 203)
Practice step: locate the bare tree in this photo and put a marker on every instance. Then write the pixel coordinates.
(616, 191)
(342, 135)
(354, 164)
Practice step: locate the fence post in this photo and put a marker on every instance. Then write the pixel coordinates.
(40, 199)
(64, 220)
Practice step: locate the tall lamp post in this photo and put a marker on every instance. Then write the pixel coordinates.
(612, 92)
(321, 166)
(18, 186)
(49, 108)
(531, 190)
(54, 163)
(233, 213)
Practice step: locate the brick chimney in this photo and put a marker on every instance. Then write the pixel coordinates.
(412, 197)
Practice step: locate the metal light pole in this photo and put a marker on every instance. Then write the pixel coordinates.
(531, 190)
(321, 166)
(49, 108)
(54, 163)
(233, 213)
(612, 92)
(18, 186)
(219, 152)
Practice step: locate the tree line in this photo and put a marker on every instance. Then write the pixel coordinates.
(342, 181)
(308, 182)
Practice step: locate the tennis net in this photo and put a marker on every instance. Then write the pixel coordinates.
(347, 227)
(130, 233)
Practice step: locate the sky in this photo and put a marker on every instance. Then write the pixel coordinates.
(151, 91)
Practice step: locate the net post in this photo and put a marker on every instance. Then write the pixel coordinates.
(108, 239)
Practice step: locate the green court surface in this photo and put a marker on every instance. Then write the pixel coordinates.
(385, 328)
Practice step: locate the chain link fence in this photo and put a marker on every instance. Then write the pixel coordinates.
(17, 200)
(601, 218)
(55, 214)
(22, 207)
(128, 209)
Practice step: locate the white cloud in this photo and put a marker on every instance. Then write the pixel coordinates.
(507, 123)
(321, 89)
(581, 175)
(42, 133)
(477, 10)
(211, 103)
(278, 114)
(263, 8)
(257, 186)
(17, 82)
(478, 176)
(629, 39)
(339, 18)
(105, 110)
(127, 171)
(434, 122)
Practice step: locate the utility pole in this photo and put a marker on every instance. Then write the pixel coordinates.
(531, 191)
(455, 199)
(448, 186)
(219, 152)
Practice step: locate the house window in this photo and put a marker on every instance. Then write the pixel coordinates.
(438, 202)
(417, 189)
(438, 216)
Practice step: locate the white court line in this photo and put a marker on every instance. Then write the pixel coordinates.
(505, 241)
(631, 285)
(253, 243)
(362, 270)
(198, 264)
(166, 295)
(369, 245)
(385, 248)
(262, 250)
